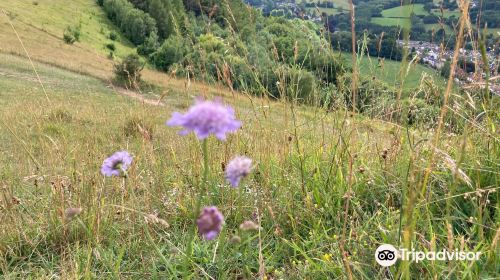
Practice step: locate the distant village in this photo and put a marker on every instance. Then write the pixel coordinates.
(435, 56)
(430, 54)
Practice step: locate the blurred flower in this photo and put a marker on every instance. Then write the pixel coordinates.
(117, 164)
(238, 168)
(70, 213)
(210, 222)
(235, 239)
(249, 225)
(205, 118)
(327, 257)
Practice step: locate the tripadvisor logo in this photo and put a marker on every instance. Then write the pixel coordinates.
(387, 255)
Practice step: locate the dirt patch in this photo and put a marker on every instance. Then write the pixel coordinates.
(139, 97)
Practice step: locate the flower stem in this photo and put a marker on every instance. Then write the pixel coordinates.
(202, 190)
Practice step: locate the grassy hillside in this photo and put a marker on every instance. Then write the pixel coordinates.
(446, 13)
(66, 139)
(328, 11)
(41, 27)
(52, 17)
(404, 11)
(327, 186)
(388, 71)
(403, 22)
(399, 16)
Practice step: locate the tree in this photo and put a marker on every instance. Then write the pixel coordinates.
(150, 45)
(134, 23)
(171, 51)
(157, 11)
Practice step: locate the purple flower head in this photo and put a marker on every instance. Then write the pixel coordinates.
(117, 164)
(205, 118)
(210, 222)
(238, 168)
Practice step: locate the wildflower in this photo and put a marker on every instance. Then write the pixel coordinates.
(235, 239)
(249, 225)
(70, 213)
(238, 168)
(15, 200)
(117, 164)
(327, 257)
(210, 222)
(205, 118)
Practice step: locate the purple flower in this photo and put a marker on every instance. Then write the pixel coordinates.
(238, 168)
(117, 164)
(210, 222)
(205, 118)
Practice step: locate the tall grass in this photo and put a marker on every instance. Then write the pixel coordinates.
(329, 187)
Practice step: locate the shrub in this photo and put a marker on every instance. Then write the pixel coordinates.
(71, 34)
(241, 75)
(291, 83)
(111, 46)
(113, 36)
(419, 113)
(170, 52)
(301, 84)
(331, 98)
(68, 38)
(128, 72)
(135, 127)
(150, 45)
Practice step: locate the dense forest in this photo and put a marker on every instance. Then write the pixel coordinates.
(203, 39)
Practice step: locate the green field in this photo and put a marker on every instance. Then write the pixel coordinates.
(388, 71)
(328, 11)
(399, 16)
(404, 11)
(403, 22)
(446, 13)
(438, 26)
(338, 3)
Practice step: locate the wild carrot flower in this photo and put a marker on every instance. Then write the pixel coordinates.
(238, 168)
(117, 164)
(205, 118)
(210, 222)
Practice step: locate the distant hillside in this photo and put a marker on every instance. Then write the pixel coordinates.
(41, 24)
